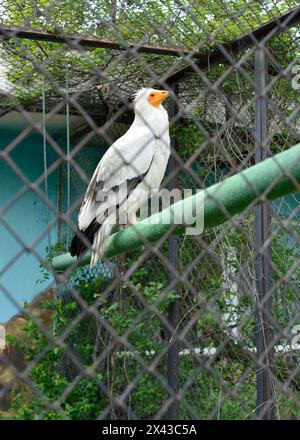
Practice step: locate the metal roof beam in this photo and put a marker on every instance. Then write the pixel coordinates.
(9, 32)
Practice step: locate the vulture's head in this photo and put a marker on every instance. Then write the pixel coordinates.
(147, 99)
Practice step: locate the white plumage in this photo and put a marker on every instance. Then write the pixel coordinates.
(137, 160)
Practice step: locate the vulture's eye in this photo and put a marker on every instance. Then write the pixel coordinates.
(152, 94)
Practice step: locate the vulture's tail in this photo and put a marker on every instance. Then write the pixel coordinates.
(79, 246)
(100, 241)
(96, 234)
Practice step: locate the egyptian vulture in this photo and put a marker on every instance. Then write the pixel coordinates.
(134, 165)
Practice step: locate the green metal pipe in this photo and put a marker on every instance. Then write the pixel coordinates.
(272, 178)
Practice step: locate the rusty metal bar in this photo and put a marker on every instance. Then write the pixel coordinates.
(8, 32)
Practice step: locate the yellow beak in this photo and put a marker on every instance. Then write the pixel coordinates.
(157, 97)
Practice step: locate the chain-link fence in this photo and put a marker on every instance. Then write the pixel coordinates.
(166, 325)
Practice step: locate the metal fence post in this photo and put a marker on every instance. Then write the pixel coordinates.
(264, 349)
(174, 259)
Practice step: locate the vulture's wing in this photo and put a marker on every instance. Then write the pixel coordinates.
(128, 159)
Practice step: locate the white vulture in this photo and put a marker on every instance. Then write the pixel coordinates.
(134, 165)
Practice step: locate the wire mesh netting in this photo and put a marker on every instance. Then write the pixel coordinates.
(166, 325)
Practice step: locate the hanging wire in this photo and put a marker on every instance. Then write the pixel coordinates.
(68, 152)
(45, 161)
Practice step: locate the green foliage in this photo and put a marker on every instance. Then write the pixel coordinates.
(87, 399)
(59, 247)
(135, 311)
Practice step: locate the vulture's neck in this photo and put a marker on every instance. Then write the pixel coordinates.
(151, 116)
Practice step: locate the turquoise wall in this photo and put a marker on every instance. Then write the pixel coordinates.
(27, 216)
